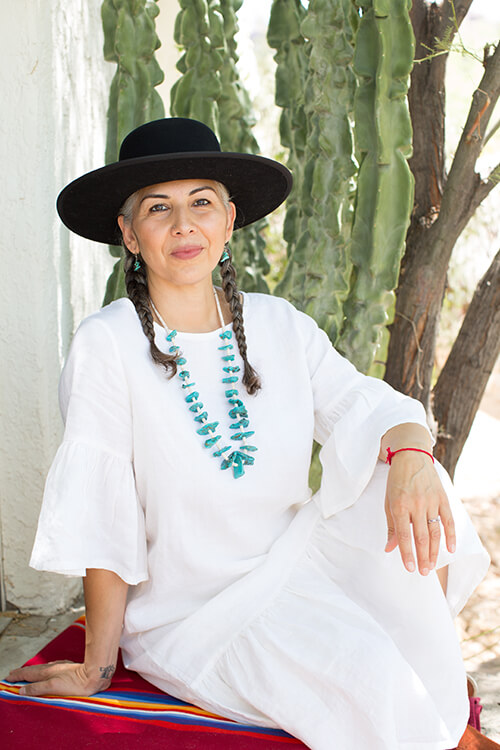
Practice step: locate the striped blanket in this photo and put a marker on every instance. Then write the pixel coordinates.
(131, 714)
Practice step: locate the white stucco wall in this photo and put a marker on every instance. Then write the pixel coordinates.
(54, 85)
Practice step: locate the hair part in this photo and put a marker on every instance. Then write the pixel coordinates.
(136, 283)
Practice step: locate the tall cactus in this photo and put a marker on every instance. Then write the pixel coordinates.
(236, 120)
(210, 90)
(130, 40)
(199, 30)
(382, 61)
(285, 36)
(317, 280)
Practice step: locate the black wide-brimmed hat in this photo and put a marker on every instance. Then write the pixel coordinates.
(174, 148)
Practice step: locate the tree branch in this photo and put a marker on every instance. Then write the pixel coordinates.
(461, 9)
(491, 133)
(484, 187)
(463, 379)
(464, 189)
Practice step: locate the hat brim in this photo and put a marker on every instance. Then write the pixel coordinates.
(89, 205)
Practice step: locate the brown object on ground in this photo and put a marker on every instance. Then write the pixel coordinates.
(473, 740)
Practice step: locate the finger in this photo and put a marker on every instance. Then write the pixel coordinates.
(43, 687)
(403, 534)
(392, 540)
(422, 543)
(434, 530)
(36, 672)
(448, 526)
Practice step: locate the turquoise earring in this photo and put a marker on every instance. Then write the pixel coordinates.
(137, 266)
(225, 255)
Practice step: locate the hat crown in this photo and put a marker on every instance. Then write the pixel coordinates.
(174, 135)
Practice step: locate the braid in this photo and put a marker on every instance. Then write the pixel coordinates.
(137, 290)
(228, 277)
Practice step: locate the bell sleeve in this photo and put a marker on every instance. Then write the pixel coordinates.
(91, 516)
(352, 412)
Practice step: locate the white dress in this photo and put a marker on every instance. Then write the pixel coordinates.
(248, 597)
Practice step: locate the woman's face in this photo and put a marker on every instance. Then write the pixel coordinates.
(180, 229)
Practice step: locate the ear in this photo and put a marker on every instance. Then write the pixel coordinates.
(128, 234)
(231, 216)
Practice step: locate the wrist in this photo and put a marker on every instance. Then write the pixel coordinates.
(99, 675)
(413, 449)
(406, 435)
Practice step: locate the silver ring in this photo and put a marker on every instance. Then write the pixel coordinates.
(433, 520)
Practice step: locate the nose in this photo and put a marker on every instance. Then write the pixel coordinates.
(181, 222)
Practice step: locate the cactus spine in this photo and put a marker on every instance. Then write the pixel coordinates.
(130, 40)
(382, 61)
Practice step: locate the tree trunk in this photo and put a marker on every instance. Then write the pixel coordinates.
(443, 206)
(463, 379)
(420, 291)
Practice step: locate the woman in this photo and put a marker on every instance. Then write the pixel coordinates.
(181, 494)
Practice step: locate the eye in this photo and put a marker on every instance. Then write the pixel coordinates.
(202, 202)
(157, 207)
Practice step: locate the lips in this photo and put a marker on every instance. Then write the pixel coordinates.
(188, 252)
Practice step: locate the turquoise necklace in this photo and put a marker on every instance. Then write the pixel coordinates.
(237, 458)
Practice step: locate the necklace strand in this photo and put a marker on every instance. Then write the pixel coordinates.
(241, 457)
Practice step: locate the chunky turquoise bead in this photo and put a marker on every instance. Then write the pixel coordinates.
(211, 441)
(201, 417)
(238, 411)
(238, 469)
(243, 435)
(219, 453)
(243, 456)
(234, 459)
(237, 461)
(207, 428)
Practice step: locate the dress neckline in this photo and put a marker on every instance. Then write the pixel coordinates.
(205, 334)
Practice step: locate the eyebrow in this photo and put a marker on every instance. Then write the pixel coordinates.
(192, 192)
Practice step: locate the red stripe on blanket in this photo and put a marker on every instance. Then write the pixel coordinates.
(132, 714)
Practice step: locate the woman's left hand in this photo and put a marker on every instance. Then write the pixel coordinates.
(414, 497)
(415, 502)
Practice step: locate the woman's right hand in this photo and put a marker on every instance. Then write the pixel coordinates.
(62, 678)
(105, 598)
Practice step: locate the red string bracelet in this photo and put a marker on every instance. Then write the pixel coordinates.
(390, 453)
